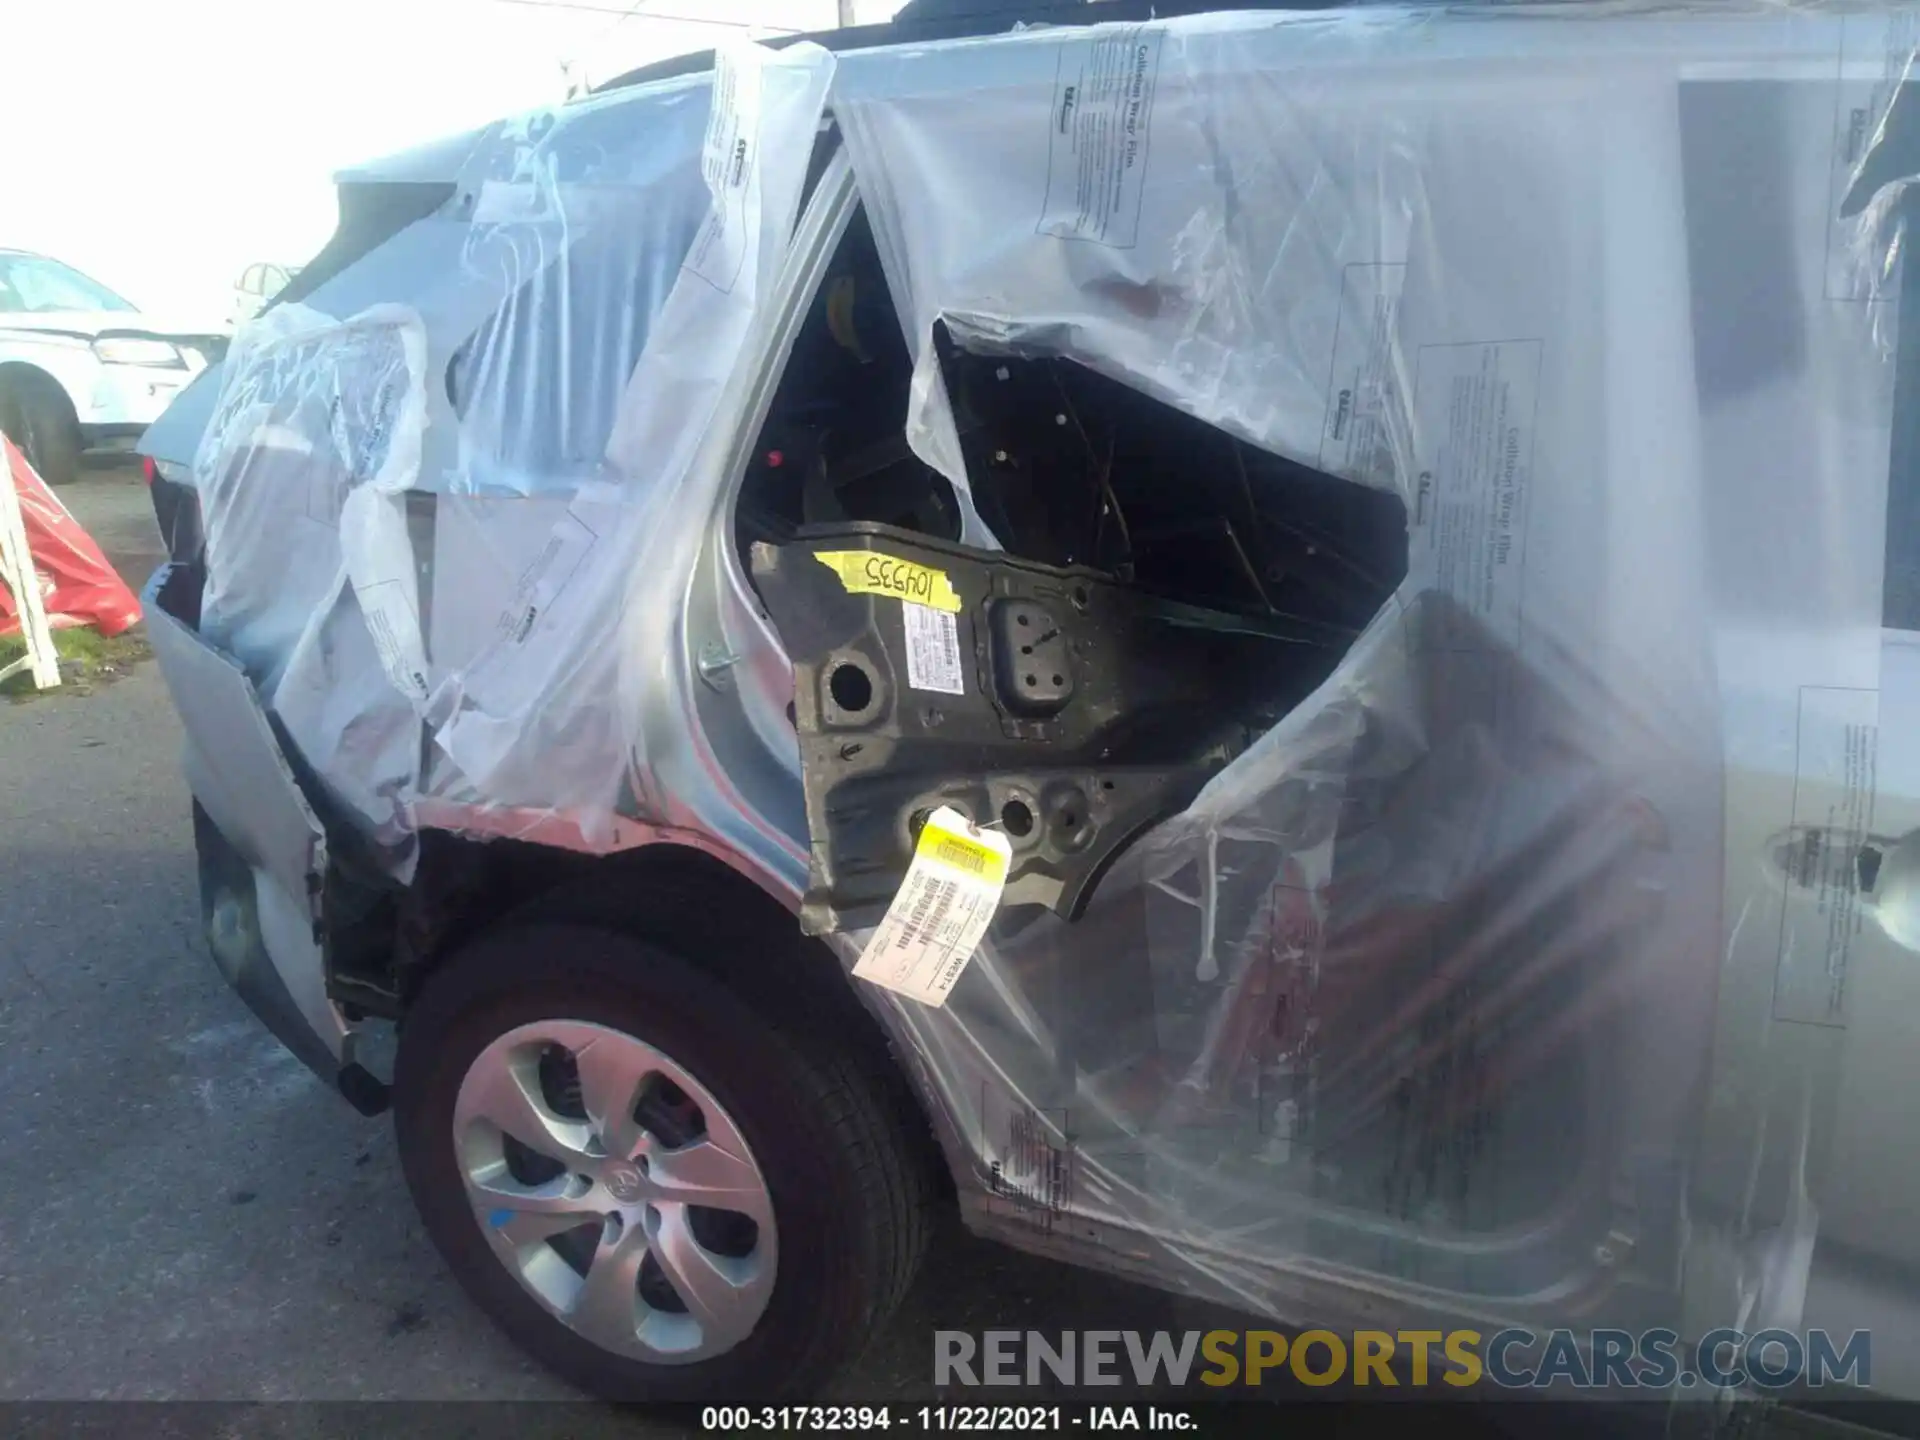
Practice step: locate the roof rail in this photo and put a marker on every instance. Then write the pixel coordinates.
(920, 22)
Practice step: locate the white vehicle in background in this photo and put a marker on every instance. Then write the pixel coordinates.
(82, 368)
(256, 288)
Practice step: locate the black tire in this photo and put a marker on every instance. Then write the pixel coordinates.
(37, 416)
(825, 1129)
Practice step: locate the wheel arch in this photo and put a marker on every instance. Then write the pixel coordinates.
(15, 372)
(666, 891)
(716, 915)
(840, 1156)
(41, 412)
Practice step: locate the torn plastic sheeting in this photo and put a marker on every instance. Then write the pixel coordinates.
(1434, 975)
(1221, 212)
(573, 227)
(611, 262)
(312, 413)
(550, 684)
(316, 435)
(1163, 203)
(562, 239)
(529, 298)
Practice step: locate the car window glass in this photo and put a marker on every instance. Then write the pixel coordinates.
(31, 285)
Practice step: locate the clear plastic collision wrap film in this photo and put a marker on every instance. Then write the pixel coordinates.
(302, 473)
(1525, 969)
(1484, 983)
(473, 435)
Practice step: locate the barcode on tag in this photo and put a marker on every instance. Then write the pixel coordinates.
(941, 912)
(963, 856)
(929, 911)
(933, 649)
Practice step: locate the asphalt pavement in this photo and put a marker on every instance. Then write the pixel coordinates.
(187, 1213)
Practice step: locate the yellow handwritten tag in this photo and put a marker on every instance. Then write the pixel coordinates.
(863, 572)
(941, 912)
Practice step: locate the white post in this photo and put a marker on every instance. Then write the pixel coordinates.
(16, 570)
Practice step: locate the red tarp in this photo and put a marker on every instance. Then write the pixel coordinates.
(77, 585)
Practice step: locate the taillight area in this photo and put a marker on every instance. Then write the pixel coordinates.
(176, 507)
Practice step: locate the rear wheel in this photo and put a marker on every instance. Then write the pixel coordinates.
(656, 1190)
(37, 416)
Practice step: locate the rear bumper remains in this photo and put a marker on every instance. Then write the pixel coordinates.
(262, 851)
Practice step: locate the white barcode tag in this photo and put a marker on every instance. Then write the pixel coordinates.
(943, 909)
(933, 649)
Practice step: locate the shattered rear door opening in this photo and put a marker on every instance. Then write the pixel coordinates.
(1162, 595)
(1055, 704)
(1373, 347)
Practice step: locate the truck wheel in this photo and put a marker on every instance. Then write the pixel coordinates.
(655, 1188)
(36, 415)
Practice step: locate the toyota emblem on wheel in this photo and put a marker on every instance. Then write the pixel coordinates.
(623, 1182)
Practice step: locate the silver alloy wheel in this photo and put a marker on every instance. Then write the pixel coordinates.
(635, 1241)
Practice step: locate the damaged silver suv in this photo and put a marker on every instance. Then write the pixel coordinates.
(1256, 644)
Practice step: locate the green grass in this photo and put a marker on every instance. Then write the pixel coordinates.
(87, 659)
